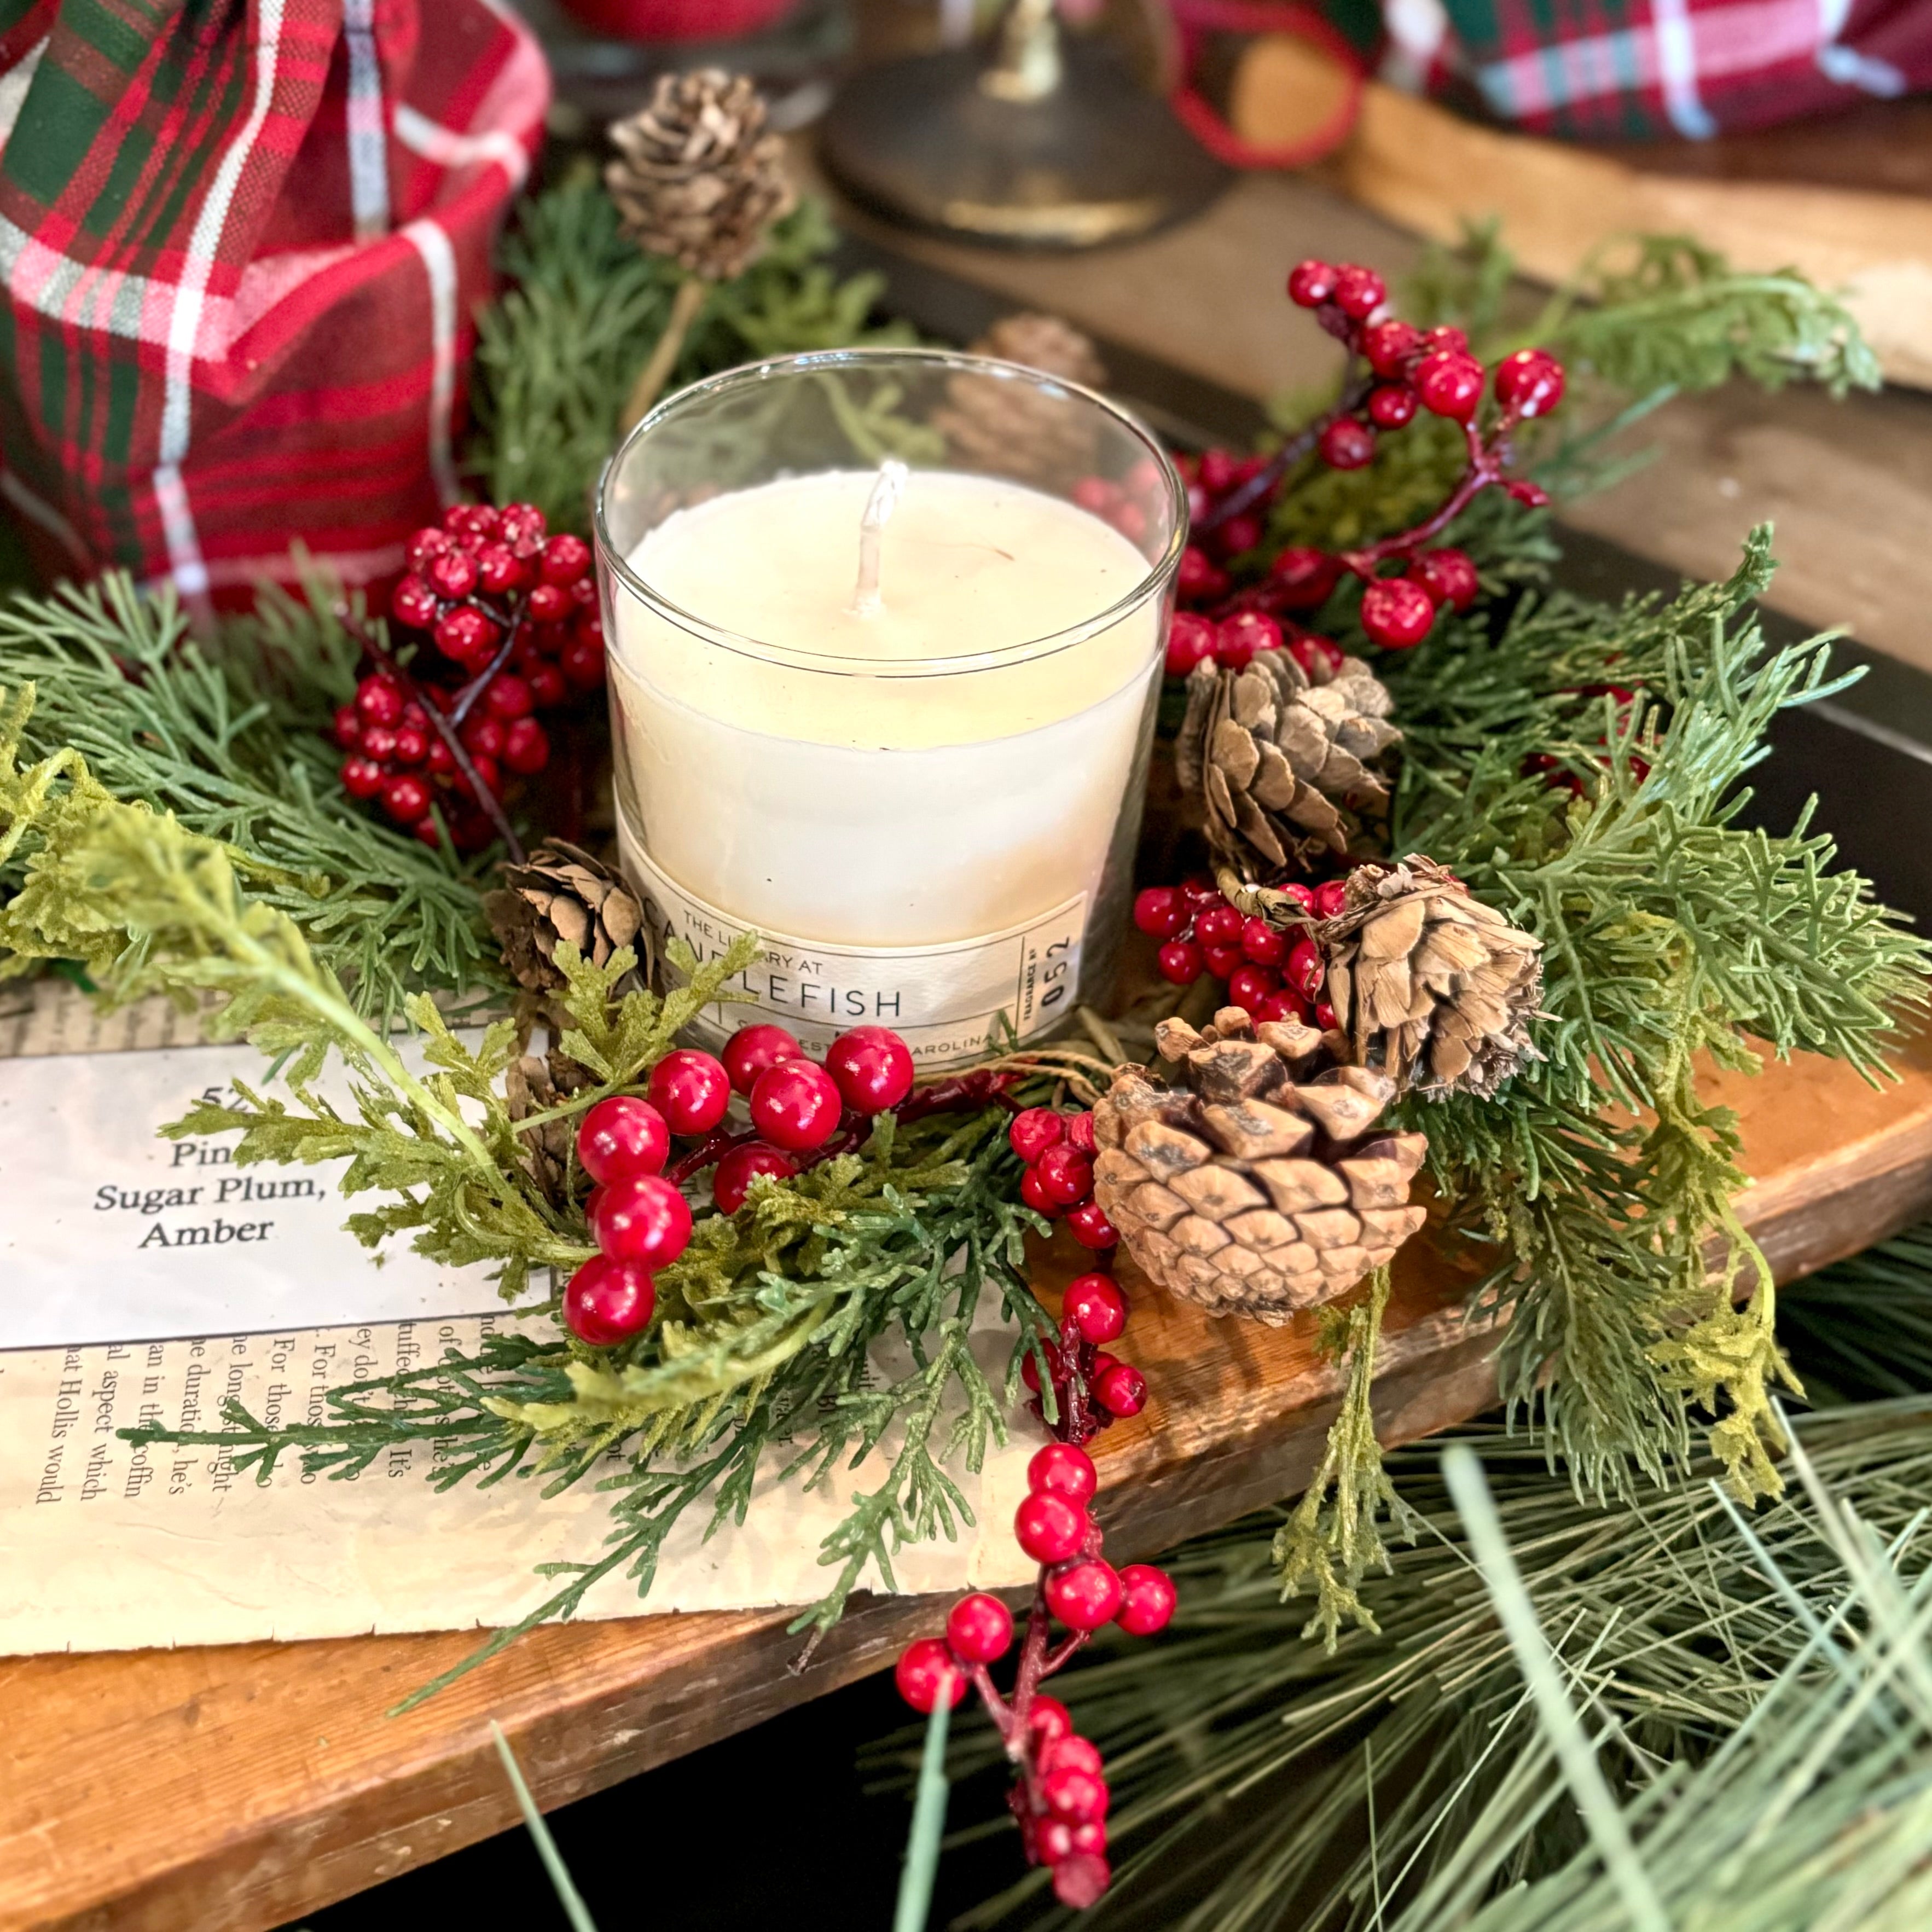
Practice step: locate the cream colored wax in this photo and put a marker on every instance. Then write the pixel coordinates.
(835, 775)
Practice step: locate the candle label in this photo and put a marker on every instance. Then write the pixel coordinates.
(949, 1002)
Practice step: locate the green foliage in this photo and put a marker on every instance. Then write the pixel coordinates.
(557, 353)
(1404, 1778)
(229, 738)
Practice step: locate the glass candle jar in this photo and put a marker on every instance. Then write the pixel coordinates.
(884, 631)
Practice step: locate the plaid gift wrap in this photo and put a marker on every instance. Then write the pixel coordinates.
(242, 241)
(1634, 69)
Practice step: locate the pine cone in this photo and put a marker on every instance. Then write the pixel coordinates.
(994, 423)
(1431, 986)
(698, 178)
(1281, 760)
(534, 1085)
(562, 893)
(1257, 1186)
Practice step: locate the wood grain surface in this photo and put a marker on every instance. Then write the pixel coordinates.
(230, 1789)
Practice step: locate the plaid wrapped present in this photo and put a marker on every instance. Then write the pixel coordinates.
(242, 241)
(1635, 69)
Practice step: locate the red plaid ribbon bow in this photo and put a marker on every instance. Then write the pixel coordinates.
(242, 244)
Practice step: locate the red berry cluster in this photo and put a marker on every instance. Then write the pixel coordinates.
(1091, 1389)
(639, 1220)
(1232, 642)
(514, 611)
(1275, 978)
(1396, 370)
(1060, 1797)
(1057, 1152)
(1131, 505)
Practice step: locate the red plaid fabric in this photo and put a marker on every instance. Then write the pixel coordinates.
(1634, 69)
(242, 241)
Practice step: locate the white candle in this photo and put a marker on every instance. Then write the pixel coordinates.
(918, 789)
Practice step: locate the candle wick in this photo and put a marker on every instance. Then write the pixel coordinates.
(880, 505)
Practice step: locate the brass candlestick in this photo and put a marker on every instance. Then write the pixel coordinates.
(1049, 141)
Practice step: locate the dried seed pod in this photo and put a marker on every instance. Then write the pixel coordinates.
(562, 893)
(1252, 1178)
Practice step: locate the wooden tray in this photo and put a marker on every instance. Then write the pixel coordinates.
(232, 1790)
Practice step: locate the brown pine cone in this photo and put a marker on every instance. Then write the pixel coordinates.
(994, 424)
(1256, 1184)
(697, 177)
(1281, 760)
(1431, 986)
(534, 1084)
(562, 893)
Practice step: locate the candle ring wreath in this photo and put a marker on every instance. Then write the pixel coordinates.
(1469, 897)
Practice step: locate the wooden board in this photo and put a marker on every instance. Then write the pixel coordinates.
(232, 1790)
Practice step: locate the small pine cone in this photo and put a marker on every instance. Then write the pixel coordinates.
(1432, 987)
(534, 1085)
(562, 893)
(1255, 1184)
(994, 423)
(1281, 760)
(697, 177)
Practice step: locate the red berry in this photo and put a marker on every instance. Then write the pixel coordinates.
(1306, 970)
(1053, 1839)
(608, 1301)
(621, 1137)
(1346, 444)
(498, 568)
(412, 744)
(1324, 1016)
(1033, 1131)
(427, 543)
(467, 635)
(379, 701)
(413, 603)
(565, 558)
(427, 830)
(1331, 898)
(1147, 1599)
(1062, 1470)
(548, 603)
(451, 573)
(1080, 1880)
(1448, 576)
(1530, 382)
(1532, 495)
(691, 1090)
(1237, 638)
(731, 1179)
(1050, 1528)
(796, 1105)
(405, 798)
(642, 1219)
(348, 726)
(1222, 960)
(1179, 961)
(1098, 494)
(1159, 912)
(752, 1049)
(1301, 894)
(1392, 405)
(1303, 578)
(1090, 1227)
(1066, 1174)
(1310, 283)
(1359, 291)
(581, 662)
(979, 1628)
(1034, 1193)
(1190, 638)
(1080, 1131)
(1237, 535)
(441, 760)
(1120, 1389)
(1248, 986)
(1220, 925)
(1396, 613)
(508, 697)
(547, 688)
(1276, 1006)
(487, 775)
(925, 1672)
(1048, 1719)
(1321, 657)
(521, 526)
(1074, 1754)
(378, 742)
(362, 778)
(1198, 578)
(1444, 335)
(1030, 1371)
(872, 1068)
(1389, 345)
(1262, 943)
(1084, 1595)
(526, 746)
(1449, 383)
(1098, 1308)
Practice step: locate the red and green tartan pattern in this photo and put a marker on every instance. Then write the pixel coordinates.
(1639, 70)
(242, 242)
